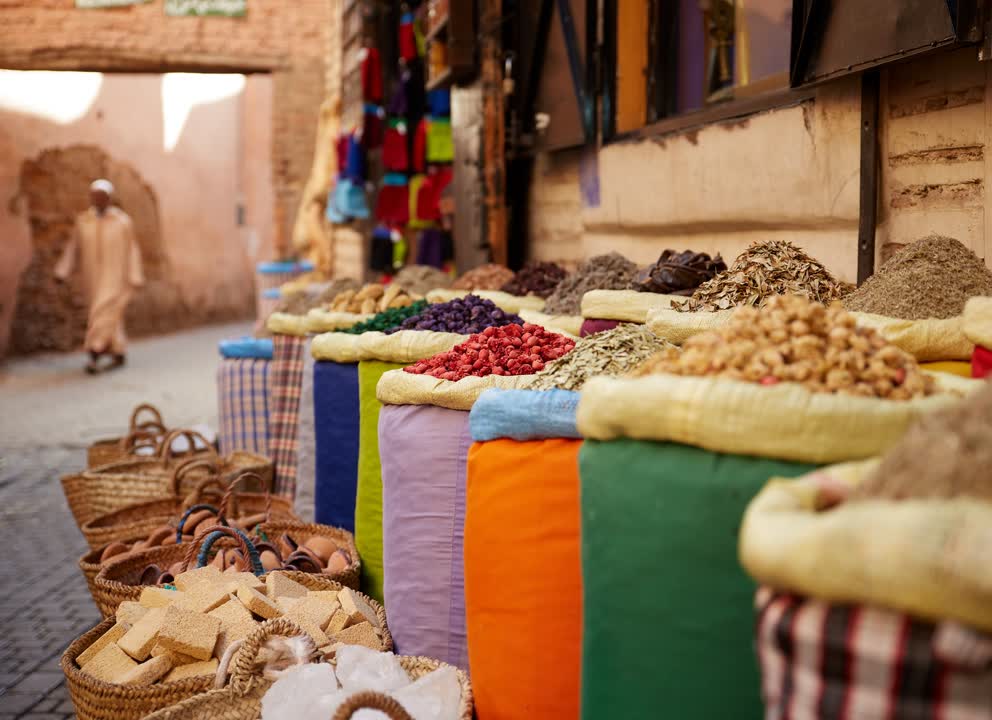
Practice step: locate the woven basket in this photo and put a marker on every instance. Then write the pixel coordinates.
(98, 700)
(111, 450)
(111, 487)
(141, 519)
(299, 532)
(242, 698)
(119, 578)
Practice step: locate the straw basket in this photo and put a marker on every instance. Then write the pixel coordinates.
(111, 450)
(98, 700)
(120, 578)
(111, 487)
(242, 698)
(299, 532)
(141, 519)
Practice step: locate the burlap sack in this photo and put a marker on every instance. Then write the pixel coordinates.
(321, 321)
(624, 305)
(784, 421)
(405, 346)
(927, 340)
(398, 387)
(928, 558)
(977, 321)
(286, 324)
(570, 325)
(504, 301)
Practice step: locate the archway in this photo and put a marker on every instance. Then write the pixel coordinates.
(50, 316)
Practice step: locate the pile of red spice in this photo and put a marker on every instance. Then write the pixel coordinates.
(509, 350)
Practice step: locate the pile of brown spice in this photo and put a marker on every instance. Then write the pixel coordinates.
(485, 277)
(794, 340)
(421, 279)
(931, 278)
(536, 278)
(764, 270)
(603, 272)
(945, 454)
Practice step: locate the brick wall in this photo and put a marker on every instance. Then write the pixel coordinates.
(288, 39)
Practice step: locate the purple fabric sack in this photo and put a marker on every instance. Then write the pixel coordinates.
(424, 451)
(591, 327)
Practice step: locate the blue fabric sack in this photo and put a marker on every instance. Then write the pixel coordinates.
(524, 415)
(439, 102)
(335, 405)
(246, 347)
(272, 268)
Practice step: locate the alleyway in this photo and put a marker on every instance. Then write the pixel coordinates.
(49, 411)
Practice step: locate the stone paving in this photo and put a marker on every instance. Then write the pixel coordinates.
(49, 411)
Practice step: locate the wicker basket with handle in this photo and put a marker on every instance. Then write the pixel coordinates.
(120, 577)
(111, 450)
(141, 519)
(111, 487)
(241, 699)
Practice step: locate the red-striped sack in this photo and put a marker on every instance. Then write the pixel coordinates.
(851, 662)
(286, 383)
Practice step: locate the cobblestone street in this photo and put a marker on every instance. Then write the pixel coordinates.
(49, 411)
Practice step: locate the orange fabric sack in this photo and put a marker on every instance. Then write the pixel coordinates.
(523, 579)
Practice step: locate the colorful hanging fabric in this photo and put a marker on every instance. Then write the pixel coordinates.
(439, 102)
(399, 102)
(407, 38)
(372, 126)
(395, 150)
(434, 248)
(418, 221)
(371, 74)
(355, 167)
(342, 151)
(393, 204)
(399, 249)
(429, 195)
(419, 160)
(349, 202)
(381, 251)
(440, 146)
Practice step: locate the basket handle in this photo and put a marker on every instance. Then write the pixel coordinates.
(144, 436)
(244, 671)
(188, 466)
(196, 494)
(165, 449)
(200, 553)
(230, 499)
(146, 408)
(371, 700)
(189, 511)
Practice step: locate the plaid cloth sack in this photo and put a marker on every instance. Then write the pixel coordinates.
(243, 398)
(853, 662)
(287, 384)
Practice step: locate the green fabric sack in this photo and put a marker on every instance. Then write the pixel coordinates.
(440, 145)
(368, 500)
(668, 613)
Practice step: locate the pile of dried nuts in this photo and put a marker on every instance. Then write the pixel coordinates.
(794, 340)
(484, 277)
(510, 350)
(184, 631)
(373, 298)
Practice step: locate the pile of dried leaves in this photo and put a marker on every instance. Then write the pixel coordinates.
(764, 270)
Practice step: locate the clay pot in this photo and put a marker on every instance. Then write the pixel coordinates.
(270, 561)
(286, 545)
(305, 561)
(114, 548)
(150, 575)
(195, 519)
(338, 562)
(158, 537)
(247, 523)
(322, 547)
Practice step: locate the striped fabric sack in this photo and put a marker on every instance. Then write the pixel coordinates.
(306, 469)
(287, 384)
(243, 400)
(853, 662)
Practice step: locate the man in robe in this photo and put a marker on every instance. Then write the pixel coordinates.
(104, 247)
